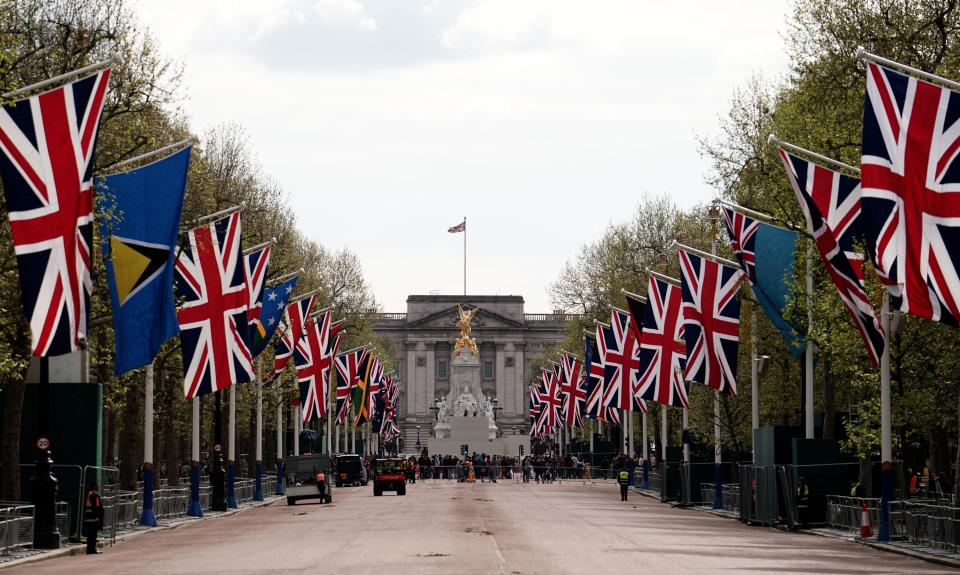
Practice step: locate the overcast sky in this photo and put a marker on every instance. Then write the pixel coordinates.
(541, 121)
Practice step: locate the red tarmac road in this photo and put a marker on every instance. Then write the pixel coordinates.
(448, 528)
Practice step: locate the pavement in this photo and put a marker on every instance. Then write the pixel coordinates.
(510, 528)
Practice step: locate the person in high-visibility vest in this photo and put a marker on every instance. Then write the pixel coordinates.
(92, 517)
(623, 478)
(803, 502)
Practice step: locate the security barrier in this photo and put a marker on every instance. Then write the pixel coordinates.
(758, 494)
(731, 497)
(16, 526)
(931, 524)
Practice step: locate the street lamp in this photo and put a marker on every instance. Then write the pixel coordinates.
(418, 438)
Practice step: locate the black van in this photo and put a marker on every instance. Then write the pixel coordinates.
(349, 470)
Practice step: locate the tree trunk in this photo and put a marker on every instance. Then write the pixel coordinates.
(10, 442)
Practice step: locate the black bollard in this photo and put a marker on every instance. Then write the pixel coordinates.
(43, 484)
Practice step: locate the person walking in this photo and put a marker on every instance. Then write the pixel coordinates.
(803, 502)
(623, 478)
(92, 517)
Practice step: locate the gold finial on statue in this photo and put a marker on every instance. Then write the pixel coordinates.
(465, 341)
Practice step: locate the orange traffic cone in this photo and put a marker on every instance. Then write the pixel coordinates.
(865, 530)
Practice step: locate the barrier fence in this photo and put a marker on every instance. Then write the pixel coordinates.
(16, 525)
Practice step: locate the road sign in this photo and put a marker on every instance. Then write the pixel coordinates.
(43, 443)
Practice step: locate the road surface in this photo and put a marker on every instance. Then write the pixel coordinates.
(449, 528)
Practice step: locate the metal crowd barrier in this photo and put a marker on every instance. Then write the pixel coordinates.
(931, 524)
(170, 502)
(731, 497)
(243, 488)
(655, 479)
(16, 526)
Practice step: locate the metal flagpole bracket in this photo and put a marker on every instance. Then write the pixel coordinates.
(165, 151)
(600, 323)
(631, 295)
(317, 313)
(260, 246)
(772, 139)
(862, 54)
(621, 310)
(704, 254)
(766, 218)
(304, 296)
(284, 277)
(663, 277)
(113, 60)
(214, 216)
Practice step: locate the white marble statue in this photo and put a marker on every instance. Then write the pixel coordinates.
(466, 404)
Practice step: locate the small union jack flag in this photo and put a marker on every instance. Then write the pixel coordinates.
(213, 317)
(572, 390)
(662, 351)
(910, 174)
(48, 144)
(297, 313)
(551, 400)
(593, 386)
(711, 321)
(830, 202)
(314, 359)
(619, 351)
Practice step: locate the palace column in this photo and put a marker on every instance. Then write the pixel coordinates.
(500, 375)
(521, 375)
(410, 382)
(431, 376)
(421, 381)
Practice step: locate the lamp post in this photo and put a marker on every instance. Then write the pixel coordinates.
(418, 437)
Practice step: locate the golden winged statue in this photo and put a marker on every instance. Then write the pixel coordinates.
(465, 341)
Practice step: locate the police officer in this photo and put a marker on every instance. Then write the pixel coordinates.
(623, 478)
(92, 517)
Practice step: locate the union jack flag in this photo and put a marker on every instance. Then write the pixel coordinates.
(213, 317)
(662, 351)
(711, 321)
(619, 351)
(743, 231)
(48, 143)
(910, 171)
(376, 379)
(593, 376)
(297, 313)
(830, 202)
(572, 389)
(535, 406)
(314, 358)
(550, 400)
(255, 266)
(351, 366)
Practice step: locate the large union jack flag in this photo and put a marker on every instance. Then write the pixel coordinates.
(351, 365)
(314, 358)
(572, 389)
(550, 400)
(711, 321)
(374, 387)
(662, 350)
(48, 144)
(830, 202)
(297, 313)
(213, 316)
(910, 173)
(619, 351)
(255, 268)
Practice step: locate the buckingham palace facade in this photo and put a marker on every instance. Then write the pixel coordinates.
(508, 340)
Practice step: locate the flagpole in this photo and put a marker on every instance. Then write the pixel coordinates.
(195, 509)
(114, 60)
(754, 383)
(258, 472)
(717, 452)
(232, 451)
(279, 489)
(464, 255)
(148, 517)
(886, 444)
(808, 359)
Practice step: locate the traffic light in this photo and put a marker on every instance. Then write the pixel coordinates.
(521, 451)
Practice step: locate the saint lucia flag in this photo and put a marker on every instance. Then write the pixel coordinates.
(139, 222)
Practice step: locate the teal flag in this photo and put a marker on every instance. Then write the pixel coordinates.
(775, 270)
(766, 254)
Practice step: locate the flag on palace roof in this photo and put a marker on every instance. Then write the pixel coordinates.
(48, 142)
(910, 174)
(139, 225)
(213, 316)
(461, 227)
(830, 202)
(766, 255)
(711, 321)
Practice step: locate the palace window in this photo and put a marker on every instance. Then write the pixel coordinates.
(488, 369)
(441, 369)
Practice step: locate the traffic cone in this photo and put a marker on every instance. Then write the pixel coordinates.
(865, 530)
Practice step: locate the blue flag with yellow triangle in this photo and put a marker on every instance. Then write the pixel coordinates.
(139, 224)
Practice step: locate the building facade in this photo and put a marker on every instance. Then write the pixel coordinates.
(509, 343)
